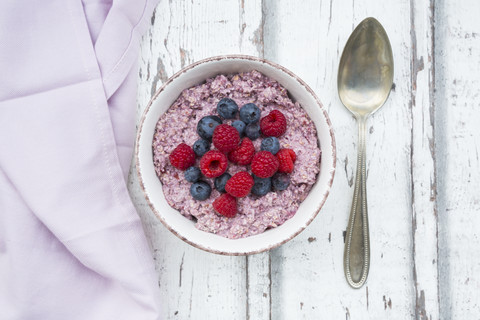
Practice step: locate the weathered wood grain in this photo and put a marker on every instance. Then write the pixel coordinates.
(258, 282)
(194, 282)
(307, 273)
(457, 101)
(422, 163)
(259, 286)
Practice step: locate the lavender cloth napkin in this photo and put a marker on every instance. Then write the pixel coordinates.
(71, 243)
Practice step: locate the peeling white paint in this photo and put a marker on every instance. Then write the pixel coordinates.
(422, 157)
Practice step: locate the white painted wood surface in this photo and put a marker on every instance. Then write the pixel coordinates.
(422, 156)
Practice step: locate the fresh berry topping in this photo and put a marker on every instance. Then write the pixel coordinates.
(264, 164)
(262, 186)
(240, 126)
(226, 205)
(182, 157)
(253, 130)
(240, 184)
(207, 125)
(201, 146)
(213, 164)
(192, 174)
(270, 144)
(274, 124)
(286, 159)
(249, 113)
(227, 108)
(221, 181)
(243, 153)
(280, 181)
(225, 138)
(200, 190)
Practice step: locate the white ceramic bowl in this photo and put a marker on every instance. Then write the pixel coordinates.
(184, 228)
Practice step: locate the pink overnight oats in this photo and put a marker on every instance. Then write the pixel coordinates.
(254, 214)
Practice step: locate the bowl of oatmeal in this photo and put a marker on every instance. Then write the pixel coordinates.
(261, 222)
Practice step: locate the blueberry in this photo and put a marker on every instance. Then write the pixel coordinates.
(249, 113)
(201, 146)
(240, 126)
(206, 125)
(262, 186)
(252, 131)
(192, 174)
(227, 108)
(200, 190)
(221, 181)
(280, 181)
(270, 144)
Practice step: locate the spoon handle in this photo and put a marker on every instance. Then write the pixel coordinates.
(356, 259)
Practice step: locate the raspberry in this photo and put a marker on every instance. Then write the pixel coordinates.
(264, 164)
(243, 153)
(274, 124)
(240, 184)
(213, 164)
(225, 138)
(286, 158)
(182, 157)
(226, 205)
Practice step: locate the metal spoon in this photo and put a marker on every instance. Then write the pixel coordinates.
(365, 77)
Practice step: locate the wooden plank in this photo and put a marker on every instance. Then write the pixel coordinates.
(258, 265)
(259, 287)
(457, 87)
(196, 284)
(423, 159)
(307, 273)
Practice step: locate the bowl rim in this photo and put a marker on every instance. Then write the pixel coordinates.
(248, 58)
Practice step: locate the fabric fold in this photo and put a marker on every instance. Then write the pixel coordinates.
(71, 243)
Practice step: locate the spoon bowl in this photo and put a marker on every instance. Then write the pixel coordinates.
(365, 78)
(365, 73)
